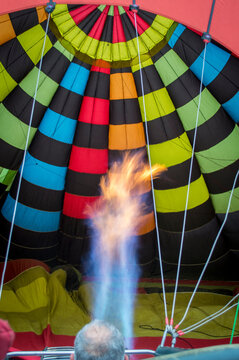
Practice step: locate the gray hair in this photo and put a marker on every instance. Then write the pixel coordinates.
(99, 340)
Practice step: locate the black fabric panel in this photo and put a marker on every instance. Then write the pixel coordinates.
(75, 251)
(177, 176)
(124, 111)
(107, 33)
(81, 63)
(118, 155)
(83, 184)
(28, 244)
(147, 16)
(184, 89)
(91, 136)
(19, 103)
(54, 65)
(146, 248)
(49, 33)
(189, 46)
(10, 157)
(49, 150)
(37, 197)
(222, 180)
(15, 60)
(151, 80)
(74, 227)
(196, 217)
(24, 20)
(196, 246)
(73, 7)
(165, 128)
(98, 85)
(228, 80)
(230, 229)
(66, 103)
(161, 53)
(2, 188)
(129, 29)
(121, 70)
(87, 24)
(213, 131)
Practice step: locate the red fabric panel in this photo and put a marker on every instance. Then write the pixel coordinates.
(80, 14)
(94, 111)
(141, 24)
(15, 267)
(6, 338)
(105, 70)
(98, 26)
(118, 31)
(91, 161)
(75, 206)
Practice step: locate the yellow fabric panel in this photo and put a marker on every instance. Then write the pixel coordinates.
(174, 200)
(147, 224)
(122, 86)
(220, 201)
(144, 63)
(32, 42)
(157, 103)
(6, 29)
(35, 298)
(6, 81)
(42, 15)
(171, 152)
(125, 137)
(120, 51)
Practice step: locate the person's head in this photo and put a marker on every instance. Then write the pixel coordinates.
(99, 340)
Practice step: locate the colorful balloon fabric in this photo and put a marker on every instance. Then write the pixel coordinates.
(89, 111)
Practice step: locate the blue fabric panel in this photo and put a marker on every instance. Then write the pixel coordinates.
(176, 34)
(43, 174)
(216, 59)
(58, 127)
(232, 107)
(75, 78)
(31, 219)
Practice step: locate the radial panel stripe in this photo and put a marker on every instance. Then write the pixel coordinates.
(82, 184)
(86, 160)
(35, 196)
(75, 206)
(91, 136)
(31, 219)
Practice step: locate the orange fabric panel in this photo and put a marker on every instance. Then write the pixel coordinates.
(42, 15)
(194, 14)
(6, 30)
(147, 224)
(126, 137)
(122, 86)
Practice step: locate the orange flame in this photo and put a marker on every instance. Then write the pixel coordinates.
(117, 215)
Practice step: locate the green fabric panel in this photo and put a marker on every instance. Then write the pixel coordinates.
(32, 42)
(220, 201)
(149, 38)
(188, 113)
(76, 37)
(101, 7)
(221, 155)
(6, 81)
(64, 51)
(60, 9)
(171, 152)
(46, 88)
(174, 200)
(157, 103)
(111, 11)
(90, 46)
(7, 176)
(121, 10)
(103, 51)
(13, 131)
(170, 67)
